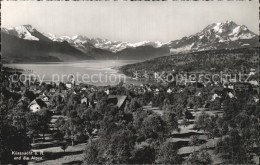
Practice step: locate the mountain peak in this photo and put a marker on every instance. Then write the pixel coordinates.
(215, 36)
(28, 27)
(230, 22)
(227, 29)
(79, 37)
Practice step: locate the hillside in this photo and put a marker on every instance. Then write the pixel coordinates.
(205, 61)
(142, 53)
(17, 50)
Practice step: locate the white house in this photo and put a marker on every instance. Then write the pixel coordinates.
(107, 91)
(254, 82)
(169, 90)
(156, 91)
(230, 95)
(84, 100)
(215, 96)
(69, 85)
(252, 72)
(37, 105)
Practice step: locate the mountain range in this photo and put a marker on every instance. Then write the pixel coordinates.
(26, 44)
(225, 35)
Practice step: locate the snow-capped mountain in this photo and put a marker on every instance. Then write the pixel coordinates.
(225, 35)
(26, 32)
(116, 46)
(25, 44)
(80, 42)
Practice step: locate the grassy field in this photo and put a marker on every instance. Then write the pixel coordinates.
(56, 156)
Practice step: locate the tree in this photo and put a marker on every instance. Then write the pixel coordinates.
(233, 148)
(153, 127)
(202, 157)
(212, 128)
(70, 127)
(33, 124)
(143, 155)
(194, 141)
(178, 108)
(168, 154)
(188, 115)
(90, 119)
(134, 104)
(171, 121)
(119, 147)
(44, 117)
(91, 153)
(64, 146)
(13, 136)
(202, 121)
(215, 105)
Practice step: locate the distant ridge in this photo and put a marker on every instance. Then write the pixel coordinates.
(216, 36)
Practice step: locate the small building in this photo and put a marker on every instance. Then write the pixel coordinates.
(83, 89)
(37, 105)
(169, 90)
(44, 98)
(84, 100)
(254, 82)
(252, 72)
(215, 96)
(33, 88)
(118, 100)
(52, 90)
(230, 95)
(156, 91)
(107, 91)
(69, 85)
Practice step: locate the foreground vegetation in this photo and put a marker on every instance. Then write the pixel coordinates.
(194, 122)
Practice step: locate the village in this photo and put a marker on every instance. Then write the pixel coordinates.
(80, 106)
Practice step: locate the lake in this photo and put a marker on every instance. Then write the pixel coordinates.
(95, 72)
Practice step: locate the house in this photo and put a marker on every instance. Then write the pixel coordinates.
(69, 85)
(107, 91)
(156, 75)
(37, 92)
(156, 91)
(93, 89)
(83, 89)
(252, 72)
(36, 105)
(230, 86)
(169, 90)
(52, 90)
(254, 82)
(256, 99)
(118, 100)
(198, 94)
(245, 86)
(215, 96)
(44, 98)
(33, 88)
(84, 100)
(230, 95)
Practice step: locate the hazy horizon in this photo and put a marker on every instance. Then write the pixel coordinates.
(128, 21)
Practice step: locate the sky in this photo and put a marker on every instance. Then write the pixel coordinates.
(126, 20)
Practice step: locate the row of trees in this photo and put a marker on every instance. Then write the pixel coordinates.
(237, 130)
